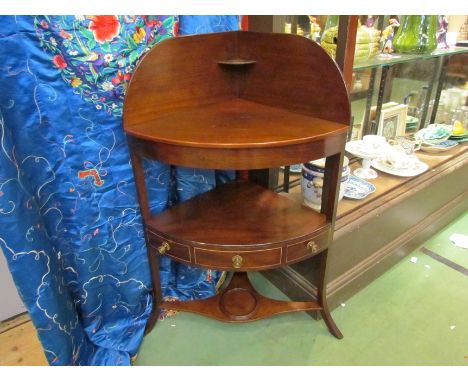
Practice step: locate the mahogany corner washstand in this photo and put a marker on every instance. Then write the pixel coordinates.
(244, 101)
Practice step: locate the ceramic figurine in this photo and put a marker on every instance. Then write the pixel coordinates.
(387, 36)
(314, 29)
(370, 22)
(442, 32)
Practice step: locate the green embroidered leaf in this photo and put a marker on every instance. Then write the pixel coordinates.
(133, 57)
(91, 43)
(168, 22)
(108, 70)
(105, 46)
(87, 33)
(131, 43)
(89, 78)
(93, 72)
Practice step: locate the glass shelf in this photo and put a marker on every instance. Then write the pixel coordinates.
(376, 62)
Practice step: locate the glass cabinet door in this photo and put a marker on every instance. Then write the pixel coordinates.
(392, 94)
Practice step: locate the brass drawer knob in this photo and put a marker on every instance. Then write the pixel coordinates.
(312, 246)
(237, 261)
(164, 247)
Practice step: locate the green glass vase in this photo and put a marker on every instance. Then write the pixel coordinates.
(417, 35)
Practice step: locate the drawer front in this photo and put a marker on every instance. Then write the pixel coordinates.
(177, 251)
(241, 260)
(307, 248)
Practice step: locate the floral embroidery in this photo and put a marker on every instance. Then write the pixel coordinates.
(139, 35)
(75, 82)
(120, 78)
(66, 35)
(108, 57)
(104, 28)
(59, 62)
(96, 55)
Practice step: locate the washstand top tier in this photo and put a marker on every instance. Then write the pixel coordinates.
(238, 91)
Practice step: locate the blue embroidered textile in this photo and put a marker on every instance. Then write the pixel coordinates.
(70, 225)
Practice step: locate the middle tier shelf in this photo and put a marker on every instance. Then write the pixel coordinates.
(260, 227)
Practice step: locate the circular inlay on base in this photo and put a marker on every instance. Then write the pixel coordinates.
(238, 303)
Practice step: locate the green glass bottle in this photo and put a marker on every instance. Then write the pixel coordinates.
(417, 34)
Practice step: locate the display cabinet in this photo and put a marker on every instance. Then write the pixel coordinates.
(373, 233)
(417, 80)
(222, 101)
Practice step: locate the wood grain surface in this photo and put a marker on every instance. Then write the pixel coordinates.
(236, 123)
(238, 215)
(19, 346)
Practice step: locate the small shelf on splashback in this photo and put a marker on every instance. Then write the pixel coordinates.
(237, 62)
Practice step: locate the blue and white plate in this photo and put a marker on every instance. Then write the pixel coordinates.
(439, 147)
(358, 188)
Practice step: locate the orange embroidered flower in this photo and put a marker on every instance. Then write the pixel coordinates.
(65, 34)
(104, 28)
(59, 62)
(75, 82)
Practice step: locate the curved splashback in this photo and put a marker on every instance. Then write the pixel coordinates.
(280, 70)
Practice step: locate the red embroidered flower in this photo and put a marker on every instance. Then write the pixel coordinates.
(59, 62)
(120, 77)
(104, 28)
(44, 24)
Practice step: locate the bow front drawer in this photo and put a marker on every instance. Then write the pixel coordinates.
(170, 248)
(241, 260)
(307, 248)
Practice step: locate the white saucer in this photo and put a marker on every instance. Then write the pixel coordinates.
(419, 168)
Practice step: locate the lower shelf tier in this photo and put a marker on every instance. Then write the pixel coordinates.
(240, 302)
(239, 226)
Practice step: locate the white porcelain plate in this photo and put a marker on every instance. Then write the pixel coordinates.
(362, 150)
(358, 188)
(418, 168)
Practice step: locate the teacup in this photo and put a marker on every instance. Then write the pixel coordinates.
(409, 145)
